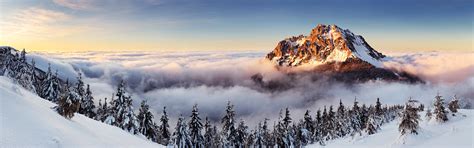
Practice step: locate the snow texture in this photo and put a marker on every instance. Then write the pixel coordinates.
(27, 120)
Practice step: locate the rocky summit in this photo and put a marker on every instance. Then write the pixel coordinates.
(336, 52)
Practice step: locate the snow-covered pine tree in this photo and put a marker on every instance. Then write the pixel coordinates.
(110, 112)
(50, 86)
(453, 105)
(25, 76)
(87, 104)
(146, 122)
(228, 126)
(118, 105)
(259, 136)
(242, 135)
(307, 128)
(287, 133)
(319, 128)
(216, 139)
(34, 77)
(331, 124)
(164, 134)
(129, 122)
(341, 121)
(181, 135)
(195, 128)
(79, 88)
(68, 103)
(250, 140)
(100, 112)
(355, 119)
(439, 111)
(371, 125)
(409, 121)
(268, 140)
(207, 134)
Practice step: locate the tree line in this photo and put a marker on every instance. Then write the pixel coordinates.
(319, 127)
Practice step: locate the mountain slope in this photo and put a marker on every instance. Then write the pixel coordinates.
(457, 132)
(338, 53)
(27, 120)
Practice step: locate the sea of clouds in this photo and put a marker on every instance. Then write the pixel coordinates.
(179, 80)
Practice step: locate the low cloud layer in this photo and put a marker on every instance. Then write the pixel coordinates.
(178, 80)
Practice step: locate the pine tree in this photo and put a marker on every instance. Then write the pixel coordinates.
(87, 104)
(216, 139)
(34, 78)
(164, 135)
(51, 87)
(342, 121)
(79, 88)
(195, 127)
(439, 111)
(241, 135)
(355, 119)
(453, 105)
(371, 125)
(259, 139)
(109, 112)
(267, 136)
(25, 76)
(319, 129)
(330, 124)
(409, 123)
(145, 120)
(208, 134)
(181, 135)
(68, 104)
(307, 128)
(129, 122)
(100, 112)
(228, 126)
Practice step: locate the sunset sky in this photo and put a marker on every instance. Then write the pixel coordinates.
(107, 25)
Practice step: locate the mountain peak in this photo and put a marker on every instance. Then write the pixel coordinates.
(325, 43)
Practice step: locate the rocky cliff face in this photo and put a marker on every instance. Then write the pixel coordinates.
(326, 43)
(336, 52)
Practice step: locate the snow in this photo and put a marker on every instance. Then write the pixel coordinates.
(456, 132)
(27, 120)
(363, 53)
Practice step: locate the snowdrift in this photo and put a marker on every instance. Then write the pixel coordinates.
(27, 120)
(458, 132)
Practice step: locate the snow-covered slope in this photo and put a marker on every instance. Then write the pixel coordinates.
(458, 132)
(27, 120)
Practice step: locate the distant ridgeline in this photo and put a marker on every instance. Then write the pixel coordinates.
(316, 127)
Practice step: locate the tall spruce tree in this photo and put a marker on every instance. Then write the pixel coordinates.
(164, 135)
(50, 87)
(87, 104)
(181, 135)
(242, 135)
(439, 110)
(208, 135)
(453, 105)
(228, 126)
(146, 122)
(409, 121)
(195, 128)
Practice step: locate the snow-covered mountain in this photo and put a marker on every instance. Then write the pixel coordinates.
(325, 43)
(27, 120)
(338, 52)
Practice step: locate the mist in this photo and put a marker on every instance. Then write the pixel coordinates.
(178, 80)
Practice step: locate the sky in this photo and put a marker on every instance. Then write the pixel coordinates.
(181, 25)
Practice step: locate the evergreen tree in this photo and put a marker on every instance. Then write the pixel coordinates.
(51, 87)
(109, 112)
(195, 127)
(241, 134)
(319, 129)
(68, 104)
(145, 120)
(267, 136)
(355, 119)
(453, 105)
(259, 139)
(228, 126)
(439, 111)
(25, 76)
(87, 104)
(208, 135)
(342, 121)
(100, 112)
(307, 128)
(79, 88)
(34, 78)
(409, 123)
(216, 139)
(371, 125)
(181, 136)
(164, 135)
(129, 122)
